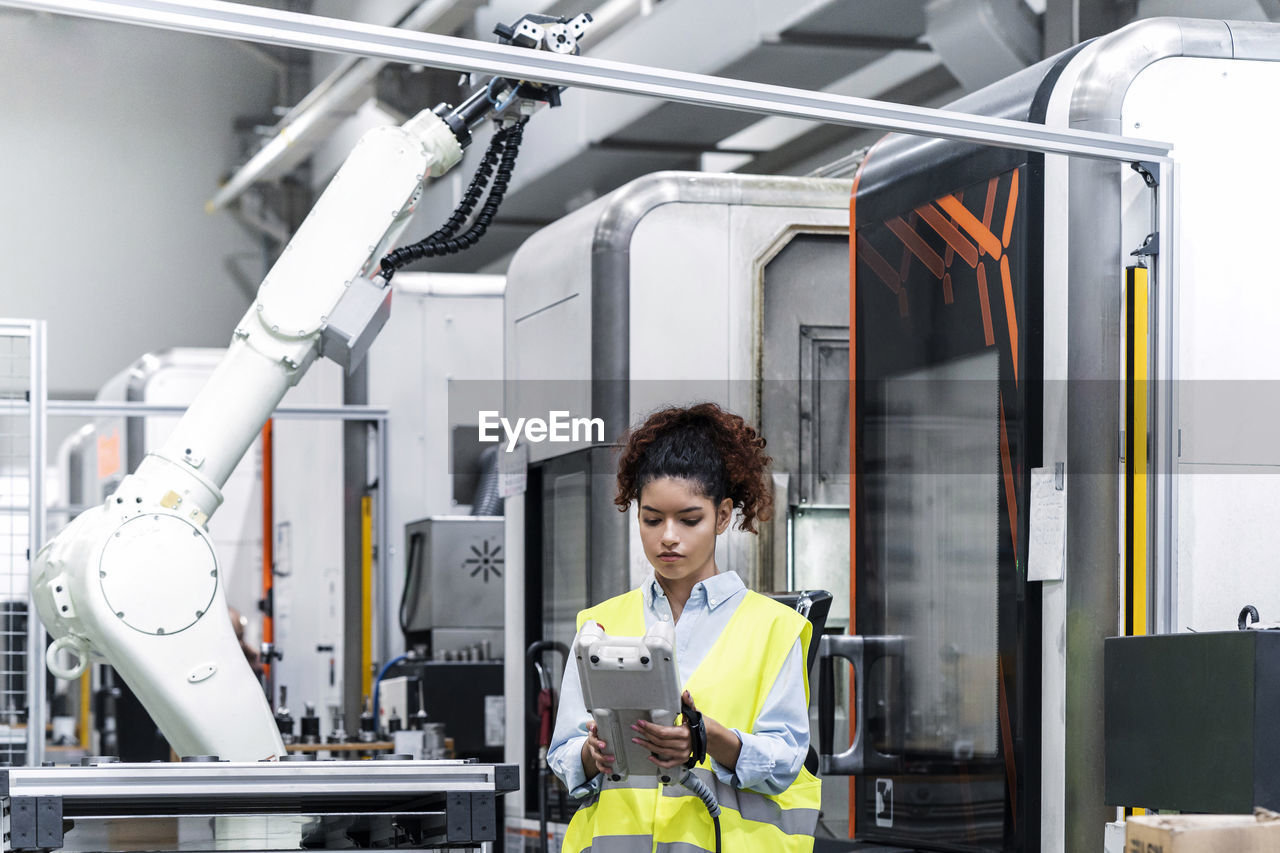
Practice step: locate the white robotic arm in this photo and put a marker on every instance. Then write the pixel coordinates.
(136, 579)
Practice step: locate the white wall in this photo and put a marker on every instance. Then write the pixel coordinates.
(112, 137)
(429, 342)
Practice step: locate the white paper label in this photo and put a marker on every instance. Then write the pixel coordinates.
(495, 721)
(1047, 550)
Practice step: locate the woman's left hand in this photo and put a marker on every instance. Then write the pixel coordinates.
(669, 746)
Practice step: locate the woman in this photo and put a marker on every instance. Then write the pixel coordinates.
(741, 657)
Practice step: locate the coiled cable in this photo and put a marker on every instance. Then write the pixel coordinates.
(499, 157)
(702, 792)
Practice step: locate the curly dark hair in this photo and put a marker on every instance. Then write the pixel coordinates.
(716, 450)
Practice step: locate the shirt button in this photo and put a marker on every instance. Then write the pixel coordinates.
(713, 602)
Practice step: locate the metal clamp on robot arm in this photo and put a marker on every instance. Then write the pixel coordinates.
(136, 579)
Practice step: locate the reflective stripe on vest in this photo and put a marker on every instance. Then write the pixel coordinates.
(752, 805)
(624, 816)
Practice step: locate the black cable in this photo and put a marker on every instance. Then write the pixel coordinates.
(699, 789)
(500, 156)
(415, 551)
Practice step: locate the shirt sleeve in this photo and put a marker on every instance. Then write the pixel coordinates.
(773, 754)
(564, 757)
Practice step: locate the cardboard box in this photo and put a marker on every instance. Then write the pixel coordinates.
(1256, 833)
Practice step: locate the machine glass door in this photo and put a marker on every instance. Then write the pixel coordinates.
(940, 325)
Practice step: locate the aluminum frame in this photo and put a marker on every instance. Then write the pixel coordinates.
(36, 409)
(312, 32)
(1162, 473)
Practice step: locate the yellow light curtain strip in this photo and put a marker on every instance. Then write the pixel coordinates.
(1137, 430)
(1138, 334)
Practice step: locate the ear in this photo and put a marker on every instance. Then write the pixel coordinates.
(724, 514)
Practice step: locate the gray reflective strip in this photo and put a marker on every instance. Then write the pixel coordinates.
(622, 844)
(751, 805)
(680, 847)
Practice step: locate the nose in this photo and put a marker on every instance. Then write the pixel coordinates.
(669, 537)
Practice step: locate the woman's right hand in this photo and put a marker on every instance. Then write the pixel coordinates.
(594, 758)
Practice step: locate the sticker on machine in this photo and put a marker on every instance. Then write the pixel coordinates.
(884, 802)
(495, 720)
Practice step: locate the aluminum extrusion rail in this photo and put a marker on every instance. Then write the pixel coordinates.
(269, 26)
(457, 798)
(214, 783)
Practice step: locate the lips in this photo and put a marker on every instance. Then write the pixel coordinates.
(669, 556)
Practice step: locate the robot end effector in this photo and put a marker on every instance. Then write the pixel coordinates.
(364, 308)
(136, 579)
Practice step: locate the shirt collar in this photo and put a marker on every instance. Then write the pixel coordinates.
(716, 589)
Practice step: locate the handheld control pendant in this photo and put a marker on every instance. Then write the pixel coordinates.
(626, 679)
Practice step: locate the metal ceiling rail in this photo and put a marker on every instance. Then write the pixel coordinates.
(109, 409)
(270, 26)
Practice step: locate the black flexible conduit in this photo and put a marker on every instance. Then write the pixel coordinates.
(501, 154)
(701, 791)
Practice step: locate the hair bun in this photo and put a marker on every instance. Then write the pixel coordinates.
(716, 449)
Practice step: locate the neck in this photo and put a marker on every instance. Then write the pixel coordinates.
(678, 590)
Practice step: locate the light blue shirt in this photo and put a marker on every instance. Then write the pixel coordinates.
(772, 754)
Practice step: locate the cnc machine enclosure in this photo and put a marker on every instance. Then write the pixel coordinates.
(453, 592)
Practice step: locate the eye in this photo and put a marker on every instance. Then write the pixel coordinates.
(651, 522)
(692, 522)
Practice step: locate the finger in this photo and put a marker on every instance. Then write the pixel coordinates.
(668, 763)
(688, 699)
(671, 745)
(664, 735)
(663, 752)
(647, 729)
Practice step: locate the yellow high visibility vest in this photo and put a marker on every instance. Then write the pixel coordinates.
(638, 815)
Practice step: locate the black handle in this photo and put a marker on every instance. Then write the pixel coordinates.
(861, 756)
(850, 762)
(533, 657)
(826, 700)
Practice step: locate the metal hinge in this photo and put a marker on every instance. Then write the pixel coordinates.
(1150, 246)
(1149, 170)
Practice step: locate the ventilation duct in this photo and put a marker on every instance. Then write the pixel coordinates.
(982, 41)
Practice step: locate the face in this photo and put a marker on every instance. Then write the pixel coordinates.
(678, 526)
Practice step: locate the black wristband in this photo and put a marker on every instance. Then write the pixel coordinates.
(697, 733)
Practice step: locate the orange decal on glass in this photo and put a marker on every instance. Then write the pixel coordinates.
(918, 246)
(947, 231)
(1010, 211)
(982, 235)
(1010, 312)
(985, 302)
